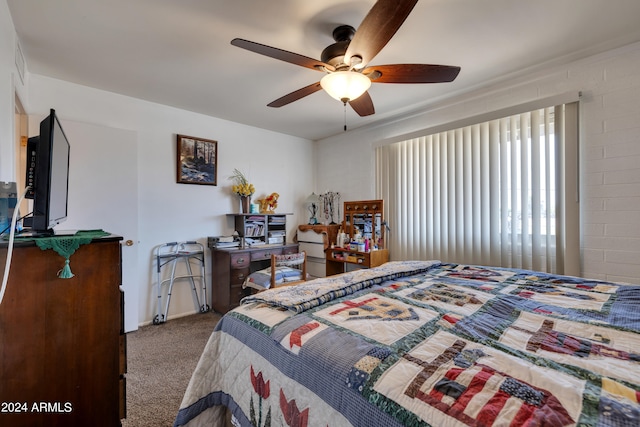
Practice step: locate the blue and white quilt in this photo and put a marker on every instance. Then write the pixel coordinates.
(425, 344)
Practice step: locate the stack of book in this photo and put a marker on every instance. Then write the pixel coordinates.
(280, 219)
(276, 237)
(218, 242)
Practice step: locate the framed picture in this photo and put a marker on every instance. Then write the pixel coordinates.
(197, 160)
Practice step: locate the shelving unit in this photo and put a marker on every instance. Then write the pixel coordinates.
(262, 228)
(276, 229)
(366, 215)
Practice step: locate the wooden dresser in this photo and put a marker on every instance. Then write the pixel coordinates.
(62, 341)
(230, 267)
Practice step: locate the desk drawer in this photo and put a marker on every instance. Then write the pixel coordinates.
(289, 249)
(240, 260)
(263, 254)
(238, 275)
(236, 294)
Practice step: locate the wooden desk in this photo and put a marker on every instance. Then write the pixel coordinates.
(62, 342)
(230, 267)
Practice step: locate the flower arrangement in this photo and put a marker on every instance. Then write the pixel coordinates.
(242, 186)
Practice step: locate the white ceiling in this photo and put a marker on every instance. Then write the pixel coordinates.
(178, 52)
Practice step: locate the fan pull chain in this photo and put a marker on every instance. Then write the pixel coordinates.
(345, 116)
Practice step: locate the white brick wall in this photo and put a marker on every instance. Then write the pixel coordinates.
(609, 157)
(611, 167)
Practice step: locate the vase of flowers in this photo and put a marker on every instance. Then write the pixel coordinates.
(243, 188)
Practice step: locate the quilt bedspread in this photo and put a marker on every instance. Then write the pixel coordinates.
(425, 344)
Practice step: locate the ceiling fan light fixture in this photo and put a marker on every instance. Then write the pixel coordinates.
(345, 85)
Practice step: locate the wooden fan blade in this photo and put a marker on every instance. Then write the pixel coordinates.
(411, 73)
(377, 28)
(282, 55)
(294, 96)
(363, 105)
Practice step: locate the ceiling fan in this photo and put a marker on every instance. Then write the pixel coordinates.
(345, 62)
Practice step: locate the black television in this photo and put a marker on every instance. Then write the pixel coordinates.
(48, 176)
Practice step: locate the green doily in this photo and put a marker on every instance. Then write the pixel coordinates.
(65, 246)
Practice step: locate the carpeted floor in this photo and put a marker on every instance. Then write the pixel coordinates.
(160, 360)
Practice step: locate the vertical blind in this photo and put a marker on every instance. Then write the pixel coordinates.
(502, 193)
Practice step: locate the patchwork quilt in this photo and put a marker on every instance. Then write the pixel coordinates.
(425, 344)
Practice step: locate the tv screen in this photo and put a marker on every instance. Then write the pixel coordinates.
(48, 175)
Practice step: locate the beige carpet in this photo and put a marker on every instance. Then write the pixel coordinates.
(160, 360)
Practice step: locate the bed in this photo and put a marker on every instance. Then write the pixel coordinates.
(424, 343)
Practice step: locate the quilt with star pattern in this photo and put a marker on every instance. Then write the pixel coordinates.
(424, 343)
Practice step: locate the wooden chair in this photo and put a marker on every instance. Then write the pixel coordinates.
(294, 261)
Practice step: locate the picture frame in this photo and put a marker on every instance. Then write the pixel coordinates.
(197, 160)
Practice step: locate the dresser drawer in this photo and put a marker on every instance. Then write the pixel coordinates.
(311, 236)
(314, 250)
(123, 355)
(122, 397)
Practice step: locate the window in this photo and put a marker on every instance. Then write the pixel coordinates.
(502, 192)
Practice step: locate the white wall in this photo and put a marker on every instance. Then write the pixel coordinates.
(176, 212)
(610, 150)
